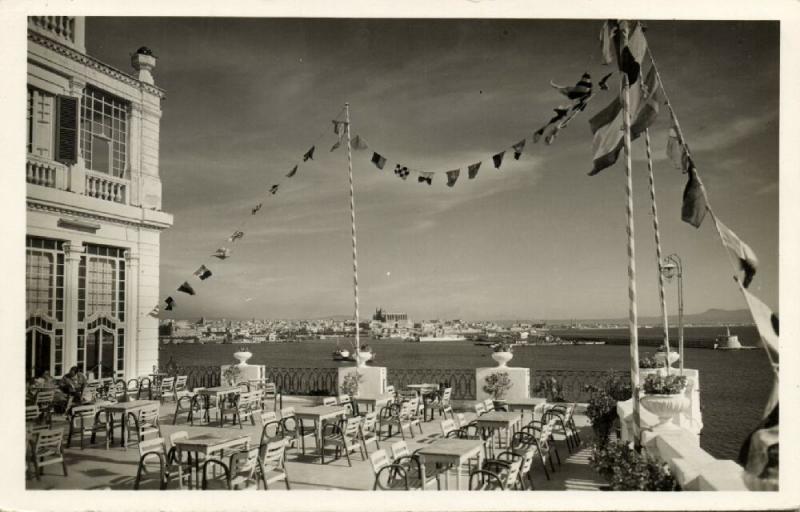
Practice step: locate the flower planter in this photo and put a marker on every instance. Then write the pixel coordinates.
(242, 357)
(665, 407)
(362, 358)
(502, 358)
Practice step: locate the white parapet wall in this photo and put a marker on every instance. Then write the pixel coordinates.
(520, 382)
(248, 372)
(373, 379)
(677, 442)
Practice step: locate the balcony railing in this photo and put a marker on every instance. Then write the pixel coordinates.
(304, 381)
(59, 27)
(108, 188)
(46, 173)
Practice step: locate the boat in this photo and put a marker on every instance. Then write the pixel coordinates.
(440, 337)
(341, 354)
(730, 341)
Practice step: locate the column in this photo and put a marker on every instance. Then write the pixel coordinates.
(134, 154)
(131, 314)
(77, 172)
(72, 259)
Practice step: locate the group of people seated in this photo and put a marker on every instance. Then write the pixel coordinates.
(72, 384)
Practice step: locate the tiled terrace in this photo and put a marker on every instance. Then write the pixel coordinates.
(97, 468)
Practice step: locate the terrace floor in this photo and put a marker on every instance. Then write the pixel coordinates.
(97, 468)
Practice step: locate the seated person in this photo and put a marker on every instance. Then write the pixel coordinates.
(70, 384)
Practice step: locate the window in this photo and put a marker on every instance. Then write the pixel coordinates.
(29, 145)
(44, 304)
(104, 132)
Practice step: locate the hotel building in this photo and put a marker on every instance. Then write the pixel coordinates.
(94, 215)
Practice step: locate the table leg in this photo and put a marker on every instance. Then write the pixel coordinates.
(318, 437)
(423, 478)
(123, 430)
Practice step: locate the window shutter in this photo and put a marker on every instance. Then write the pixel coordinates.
(67, 131)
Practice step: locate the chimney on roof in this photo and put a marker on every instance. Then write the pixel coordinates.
(143, 61)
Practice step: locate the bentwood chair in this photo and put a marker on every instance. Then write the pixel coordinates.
(388, 476)
(46, 448)
(85, 419)
(564, 423)
(345, 436)
(273, 463)
(369, 431)
(402, 455)
(169, 467)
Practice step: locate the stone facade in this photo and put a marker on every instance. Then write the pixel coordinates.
(94, 215)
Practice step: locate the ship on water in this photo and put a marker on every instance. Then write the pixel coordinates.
(730, 341)
(440, 335)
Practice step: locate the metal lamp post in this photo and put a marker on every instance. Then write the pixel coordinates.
(671, 266)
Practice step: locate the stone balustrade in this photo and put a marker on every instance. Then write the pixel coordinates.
(105, 187)
(58, 27)
(46, 173)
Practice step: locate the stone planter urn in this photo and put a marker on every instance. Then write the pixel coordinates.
(502, 358)
(362, 358)
(661, 357)
(665, 407)
(242, 357)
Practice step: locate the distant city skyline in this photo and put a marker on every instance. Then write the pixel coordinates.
(536, 239)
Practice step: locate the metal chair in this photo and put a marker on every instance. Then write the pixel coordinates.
(85, 419)
(369, 431)
(169, 467)
(344, 436)
(46, 448)
(273, 463)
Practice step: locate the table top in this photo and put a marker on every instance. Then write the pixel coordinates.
(219, 389)
(208, 443)
(373, 398)
(520, 402)
(126, 406)
(319, 412)
(452, 447)
(498, 417)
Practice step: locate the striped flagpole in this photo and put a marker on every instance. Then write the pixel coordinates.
(353, 227)
(633, 315)
(658, 243)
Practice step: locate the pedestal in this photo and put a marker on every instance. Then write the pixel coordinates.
(248, 372)
(373, 380)
(520, 379)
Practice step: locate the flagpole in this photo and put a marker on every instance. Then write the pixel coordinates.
(633, 315)
(353, 229)
(658, 245)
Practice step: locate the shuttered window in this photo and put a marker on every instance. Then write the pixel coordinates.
(67, 131)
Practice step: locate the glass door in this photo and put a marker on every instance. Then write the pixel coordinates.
(100, 354)
(37, 353)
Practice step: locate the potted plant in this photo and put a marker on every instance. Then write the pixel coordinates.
(602, 412)
(648, 362)
(625, 469)
(551, 388)
(350, 384)
(501, 353)
(663, 395)
(231, 374)
(497, 384)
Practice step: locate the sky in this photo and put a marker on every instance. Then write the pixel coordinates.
(537, 239)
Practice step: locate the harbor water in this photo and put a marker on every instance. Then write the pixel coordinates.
(734, 384)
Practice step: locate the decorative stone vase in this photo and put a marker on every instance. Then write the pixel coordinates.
(502, 358)
(661, 357)
(665, 407)
(362, 358)
(242, 357)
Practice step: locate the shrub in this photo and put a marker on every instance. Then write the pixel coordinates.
(551, 388)
(351, 382)
(502, 346)
(625, 469)
(497, 384)
(656, 384)
(231, 374)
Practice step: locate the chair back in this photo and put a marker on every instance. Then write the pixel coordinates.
(287, 412)
(148, 415)
(446, 394)
(272, 453)
(270, 389)
(379, 459)
(406, 410)
(369, 423)
(180, 383)
(244, 465)
(488, 404)
(527, 460)
(482, 480)
(267, 416)
(448, 426)
(522, 441)
(82, 413)
(351, 427)
(461, 420)
(45, 398)
(244, 386)
(49, 441)
(152, 445)
(512, 474)
(400, 449)
(480, 409)
(31, 412)
(167, 385)
(132, 386)
(329, 401)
